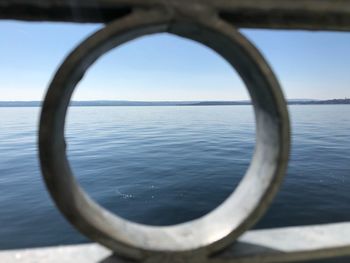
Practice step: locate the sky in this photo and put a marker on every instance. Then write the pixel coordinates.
(308, 65)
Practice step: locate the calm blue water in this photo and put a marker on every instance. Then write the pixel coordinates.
(165, 165)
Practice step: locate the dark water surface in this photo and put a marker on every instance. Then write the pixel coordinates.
(165, 165)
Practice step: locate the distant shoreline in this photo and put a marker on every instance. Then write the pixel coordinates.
(170, 103)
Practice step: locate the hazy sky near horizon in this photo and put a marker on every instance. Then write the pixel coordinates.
(311, 65)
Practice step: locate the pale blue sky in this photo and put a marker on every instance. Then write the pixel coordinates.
(164, 67)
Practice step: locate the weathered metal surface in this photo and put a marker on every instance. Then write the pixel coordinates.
(218, 229)
(289, 244)
(281, 14)
(88, 253)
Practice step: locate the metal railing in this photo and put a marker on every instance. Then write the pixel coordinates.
(222, 235)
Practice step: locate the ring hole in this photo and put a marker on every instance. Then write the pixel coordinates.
(152, 164)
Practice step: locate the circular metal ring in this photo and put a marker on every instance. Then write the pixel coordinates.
(238, 212)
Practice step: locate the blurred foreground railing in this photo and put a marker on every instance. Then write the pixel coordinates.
(281, 14)
(223, 235)
(288, 244)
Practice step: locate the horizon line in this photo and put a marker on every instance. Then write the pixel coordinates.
(216, 100)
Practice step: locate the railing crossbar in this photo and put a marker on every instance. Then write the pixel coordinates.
(272, 14)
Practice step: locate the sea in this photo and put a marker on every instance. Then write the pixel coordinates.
(163, 165)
